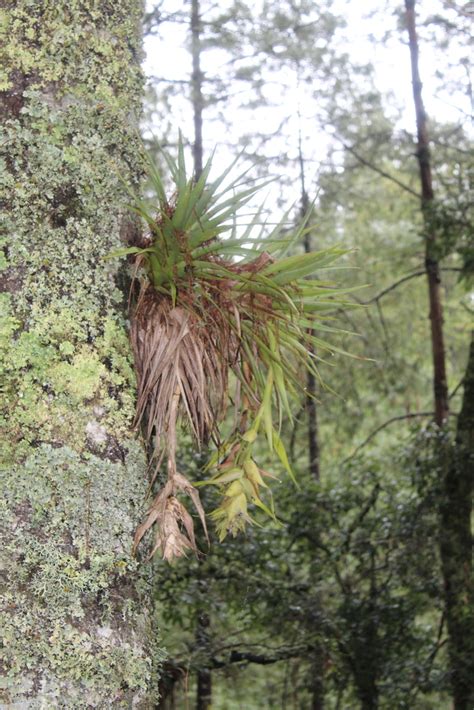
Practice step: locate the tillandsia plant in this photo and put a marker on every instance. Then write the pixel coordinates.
(220, 319)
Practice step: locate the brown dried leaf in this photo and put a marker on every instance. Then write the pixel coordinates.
(183, 484)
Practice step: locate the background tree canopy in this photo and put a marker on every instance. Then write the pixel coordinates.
(355, 599)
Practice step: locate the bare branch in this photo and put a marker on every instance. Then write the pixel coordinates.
(399, 418)
(164, 80)
(250, 657)
(383, 173)
(395, 285)
(177, 667)
(360, 517)
(458, 386)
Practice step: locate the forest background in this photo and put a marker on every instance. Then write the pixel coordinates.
(361, 594)
(344, 604)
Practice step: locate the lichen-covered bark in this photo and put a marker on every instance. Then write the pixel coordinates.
(76, 623)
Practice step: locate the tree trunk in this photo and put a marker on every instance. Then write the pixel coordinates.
(317, 666)
(204, 675)
(365, 645)
(312, 411)
(317, 685)
(75, 619)
(311, 407)
(456, 549)
(455, 507)
(440, 384)
(196, 86)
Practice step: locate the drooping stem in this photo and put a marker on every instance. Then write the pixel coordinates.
(171, 435)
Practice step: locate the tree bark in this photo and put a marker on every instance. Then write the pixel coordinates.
(440, 383)
(317, 666)
(311, 407)
(196, 86)
(456, 548)
(455, 505)
(203, 621)
(365, 645)
(204, 675)
(76, 617)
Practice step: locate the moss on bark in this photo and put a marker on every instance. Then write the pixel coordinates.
(76, 620)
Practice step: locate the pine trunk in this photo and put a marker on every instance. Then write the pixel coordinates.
(76, 617)
(196, 86)
(456, 502)
(317, 666)
(204, 689)
(204, 675)
(440, 383)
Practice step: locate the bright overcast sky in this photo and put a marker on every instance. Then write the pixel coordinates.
(167, 58)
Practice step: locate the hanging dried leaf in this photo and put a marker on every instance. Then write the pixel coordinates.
(200, 315)
(174, 525)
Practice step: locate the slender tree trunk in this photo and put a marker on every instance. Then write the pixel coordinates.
(75, 614)
(203, 622)
(317, 666)
(365, 649)
(171, 675)
(196, 86)
(455, 507)
(440, 384)
(311, 407)
(317, 686)
(204, 675)
(456, 548)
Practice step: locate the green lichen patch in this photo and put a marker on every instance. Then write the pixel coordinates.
(74, 599)
(80, 378)
(56, 383)
(90, 46)
(76, 619)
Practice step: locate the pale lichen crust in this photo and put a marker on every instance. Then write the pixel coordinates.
(75, 620)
